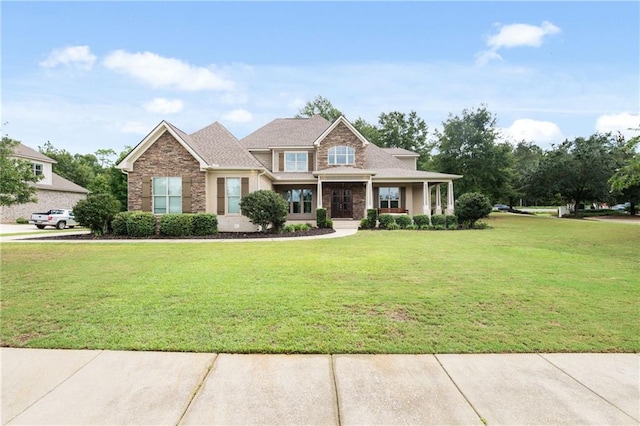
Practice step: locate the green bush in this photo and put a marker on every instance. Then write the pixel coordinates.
(372, 218)
(438, 227)
(141, 224)
(96, 212)
(471, 207)
(119, 223)
(204, 224)
(22, 221)
(451, 221)
(265, 208)
(411, 227)
(295, 227)
(321, 218)
(439, 220)
(425, 227)
(364, 223)
(385, 220)
(403, 221)
(329, 223)
(421, 220)
(175, 225)
(393, 227)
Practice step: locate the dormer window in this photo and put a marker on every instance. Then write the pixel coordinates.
(37, 169)
(295, 162)
(341, 155)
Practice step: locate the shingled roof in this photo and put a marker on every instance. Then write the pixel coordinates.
(287, 132)
(220, 148)
(25, 152)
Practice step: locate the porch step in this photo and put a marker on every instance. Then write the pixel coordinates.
(345, 224)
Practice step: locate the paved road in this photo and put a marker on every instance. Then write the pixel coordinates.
(41, 386)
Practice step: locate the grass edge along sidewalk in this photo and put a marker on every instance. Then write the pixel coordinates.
(527, 285)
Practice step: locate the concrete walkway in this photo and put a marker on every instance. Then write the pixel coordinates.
(42, 386)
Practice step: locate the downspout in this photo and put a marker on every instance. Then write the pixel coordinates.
(260, 174)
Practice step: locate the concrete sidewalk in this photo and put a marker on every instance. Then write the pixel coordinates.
(41, 386)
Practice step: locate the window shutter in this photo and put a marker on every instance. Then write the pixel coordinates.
(403, 193)
(310, 161)
(186, 194)
(146, 194)
(221, 196)
(376, 198)
(244, 188)
(281, 162)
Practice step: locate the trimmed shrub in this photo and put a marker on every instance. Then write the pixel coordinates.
(141, 224)
(204, 224)
(321, 218)
(96, 212)
(403, 221)
(294, 227)
(451, 221)
(425, 227)
(439, 220)
(364, 223)
(22, 221)
(438, 227)
(385, 220)
(175, 225)
(265, 208)
(119, 223)
(471, 207)
(421, 220)
(329, 223)
(371, 219)
(393, 227)
(411, 227)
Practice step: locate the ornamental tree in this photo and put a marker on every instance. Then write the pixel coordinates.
(267, 209)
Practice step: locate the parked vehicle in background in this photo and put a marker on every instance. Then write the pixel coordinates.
(622, 207)
(60, 218)
(500, 207)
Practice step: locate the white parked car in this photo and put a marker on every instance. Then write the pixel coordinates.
(60, 218)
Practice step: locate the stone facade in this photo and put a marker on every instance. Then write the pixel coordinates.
(166, 157)
(359, 198)
(47, 200)
(341, 136)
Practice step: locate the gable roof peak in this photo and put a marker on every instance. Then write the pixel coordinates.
(341, 120)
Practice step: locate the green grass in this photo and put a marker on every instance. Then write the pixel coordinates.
(529, 284)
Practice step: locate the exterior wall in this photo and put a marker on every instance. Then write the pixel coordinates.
(418, 199)
(278, 158)
(233, 222)
(341, 135)
(409, 163)
(47, 200)
(47, 173)
(166, 157)
(265, 159)
(301, 217)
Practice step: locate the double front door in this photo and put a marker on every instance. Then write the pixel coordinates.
(341, 203)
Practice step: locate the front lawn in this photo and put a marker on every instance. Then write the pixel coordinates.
(529, 284)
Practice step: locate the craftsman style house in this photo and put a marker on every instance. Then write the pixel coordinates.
(313, 163)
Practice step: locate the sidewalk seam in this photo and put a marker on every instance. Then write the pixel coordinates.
(482, 419)
(335, 389)
(55, 387)
(541, 355)
(196, 390)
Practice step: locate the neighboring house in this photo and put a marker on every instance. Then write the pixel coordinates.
(54, 192)
(313, 163)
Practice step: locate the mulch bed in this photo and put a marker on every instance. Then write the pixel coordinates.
(219, 236)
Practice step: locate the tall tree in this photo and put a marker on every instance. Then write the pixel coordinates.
(626, 179)
(577, 170)
(526, 158)
(17, 177)
(79, 169)
(369, 131)
(399, 130)
(319, 106)
(468, 145)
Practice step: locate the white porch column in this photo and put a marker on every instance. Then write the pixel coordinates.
(319, 196)
(450, 200)
(438, 200)
(427, 199)
(369, 194)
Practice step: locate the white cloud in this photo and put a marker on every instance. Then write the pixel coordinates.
(238, 116)
(515, 35)
(164, 106)
(159, 71)
(622, 123)
(540, 132)
(135, 127)
(80, 56)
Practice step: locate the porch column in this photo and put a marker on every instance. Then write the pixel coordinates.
(319, 196)
(427, 199)
(369, 194)
(438, 200)
(450, 201)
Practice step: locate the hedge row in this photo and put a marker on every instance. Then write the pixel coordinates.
(146, 224)
(420, 221)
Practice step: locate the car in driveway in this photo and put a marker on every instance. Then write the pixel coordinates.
(621, 207)
(500, 207)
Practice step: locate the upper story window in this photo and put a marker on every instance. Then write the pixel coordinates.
(342, 155)
(37, 169)
(295, 162)
(167, 195)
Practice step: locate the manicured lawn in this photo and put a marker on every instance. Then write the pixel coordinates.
(529, 284)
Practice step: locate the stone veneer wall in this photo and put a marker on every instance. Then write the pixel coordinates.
(166, 157)
(341, 135)
(47, 200)
(359, 198)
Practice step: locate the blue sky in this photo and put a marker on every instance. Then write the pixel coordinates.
(91, 75)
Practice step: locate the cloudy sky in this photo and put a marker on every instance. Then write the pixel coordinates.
(91, 75)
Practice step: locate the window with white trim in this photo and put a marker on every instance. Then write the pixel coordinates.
(300, 200)
(234, 192)
(295, 162)
(342, 155)
(389, 197)
(38, 169)
(167, 195)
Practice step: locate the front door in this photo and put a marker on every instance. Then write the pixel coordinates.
(341, 203)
